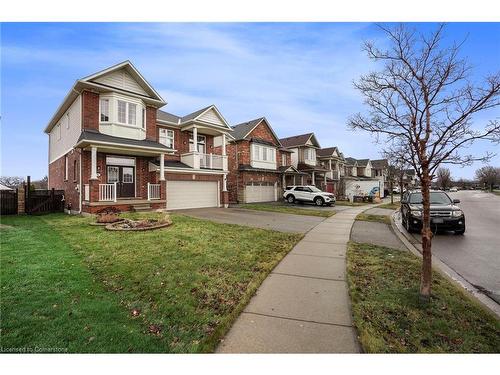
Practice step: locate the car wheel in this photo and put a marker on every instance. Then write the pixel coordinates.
(408, 226)
(290, 199)
(460, 232)
(318, 201)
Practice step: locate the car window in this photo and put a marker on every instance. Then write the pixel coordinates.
(289, 188)
(308, 189)
(315, 189)
(435, 198)
(299, 188)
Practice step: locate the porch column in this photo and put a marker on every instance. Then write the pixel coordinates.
(162, 167)
(225, 193)
(325, 178)
(93, 163)
(313, 182)
(224, 157)
(224, 183)
(195, 139)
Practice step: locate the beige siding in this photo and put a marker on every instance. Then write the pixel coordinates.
(211, 116)
(122, 80)
(69, 134)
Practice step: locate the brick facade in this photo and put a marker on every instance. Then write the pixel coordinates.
(70, 185)
(239, 154)
(90, 110)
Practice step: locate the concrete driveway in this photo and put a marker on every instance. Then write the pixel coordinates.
(258, 219)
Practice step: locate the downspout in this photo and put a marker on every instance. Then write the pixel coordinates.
(80, 185)
(237, 171)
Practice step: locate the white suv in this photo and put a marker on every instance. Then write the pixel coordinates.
(308, 193)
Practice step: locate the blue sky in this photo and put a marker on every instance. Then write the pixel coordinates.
(298, 75)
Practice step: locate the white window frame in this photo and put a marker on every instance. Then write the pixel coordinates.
(163, 138)
(283, 160)
(143, 124)
(199, 142)
(264, 154)
(129, 113)
(66, 162)
(118, 102)
(101, 112)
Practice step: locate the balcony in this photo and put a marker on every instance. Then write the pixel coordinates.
(198, 160)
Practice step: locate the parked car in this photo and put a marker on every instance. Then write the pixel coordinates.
(445, 214)
(308, 193)
(453, 190)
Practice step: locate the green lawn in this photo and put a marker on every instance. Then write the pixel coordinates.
(66, 284)
(378, 218)
(288, 209)
(384, 286)
(353, 204)
(391, 206)
(496, 192)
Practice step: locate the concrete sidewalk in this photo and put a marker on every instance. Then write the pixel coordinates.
(303, 306)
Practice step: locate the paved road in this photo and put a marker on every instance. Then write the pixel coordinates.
(475, 255)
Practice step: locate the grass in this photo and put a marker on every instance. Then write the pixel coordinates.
(66, 284)
(496, 192)
(384, 288)
(353, 204)
(287, 209)
(390, 206)
(378, 218)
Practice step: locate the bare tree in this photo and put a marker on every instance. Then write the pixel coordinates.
(11, 181)
(443, 178)
(423, 101)
(488, 176)
(397, 166)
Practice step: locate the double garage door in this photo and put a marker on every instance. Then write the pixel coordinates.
(264, 192)
(192, 194)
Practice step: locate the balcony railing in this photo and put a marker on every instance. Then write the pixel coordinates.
(153, 191)
(209, 161)
(107, 192)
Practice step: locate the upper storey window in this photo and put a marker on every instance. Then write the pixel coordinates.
(104, 110)
(122, 116)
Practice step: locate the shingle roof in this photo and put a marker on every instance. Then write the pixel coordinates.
(296, 140)
(350, 161)
(363, 162)
(240, 131)
(93, 136)
(165, 116)
(380, 163)
(326, 151)
(195, 114)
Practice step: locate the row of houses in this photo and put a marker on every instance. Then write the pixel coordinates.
(110, 144)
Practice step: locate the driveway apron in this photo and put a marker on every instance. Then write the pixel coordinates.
(303, 306)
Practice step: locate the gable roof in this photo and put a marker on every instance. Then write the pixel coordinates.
(380, 163)
(241, 131)
(328, 151)
(196, 115)
(350, 161)
(299, 140)
(132, 70)
(363, 162)
(150, 96)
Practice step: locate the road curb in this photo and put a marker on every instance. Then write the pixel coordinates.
(444, 269)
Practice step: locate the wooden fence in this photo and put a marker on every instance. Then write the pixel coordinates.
(8, 202)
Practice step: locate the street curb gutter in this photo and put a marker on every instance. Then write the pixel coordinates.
(445, 270)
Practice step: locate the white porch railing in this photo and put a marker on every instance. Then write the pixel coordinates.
(107, 192)
(86, 192)
(210, 161)
(153, 191)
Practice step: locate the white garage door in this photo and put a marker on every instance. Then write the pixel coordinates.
(259, 193)
(192, 194)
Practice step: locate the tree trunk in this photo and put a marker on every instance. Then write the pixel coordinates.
(392, 193)
(426, 279)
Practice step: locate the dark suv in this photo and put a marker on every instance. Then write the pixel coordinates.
(445, 214)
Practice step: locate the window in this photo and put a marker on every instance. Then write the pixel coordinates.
(67, 120)
(263, 153)
(104, 110)
(283, 160)
(200, 145)
(75, 167)
(122, 111)
(143, 118)
(131, 113)
(167, 137)
(66, 168)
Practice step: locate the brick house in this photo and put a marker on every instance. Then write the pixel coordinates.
(258, 163)
(111, 145)
(333, 161)
(304, 148)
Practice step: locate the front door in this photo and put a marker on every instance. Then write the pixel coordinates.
(124, 178)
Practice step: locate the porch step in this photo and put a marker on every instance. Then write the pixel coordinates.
(141, 207)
